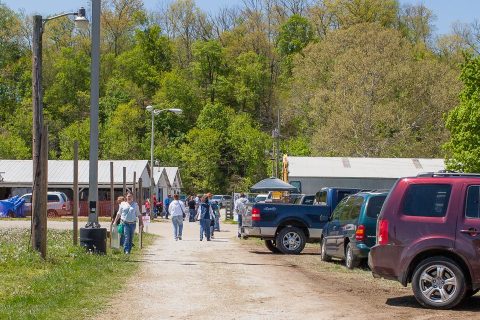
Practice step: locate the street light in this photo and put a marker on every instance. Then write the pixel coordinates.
(39, 132)
(155, 112)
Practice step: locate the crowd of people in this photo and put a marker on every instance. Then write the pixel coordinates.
(200, 208)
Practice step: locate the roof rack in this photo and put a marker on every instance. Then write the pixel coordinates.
(445, 173)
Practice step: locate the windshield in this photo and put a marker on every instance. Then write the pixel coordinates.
(216, 197)
(260, 198)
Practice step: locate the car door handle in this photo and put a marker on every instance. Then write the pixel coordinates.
(471, 231)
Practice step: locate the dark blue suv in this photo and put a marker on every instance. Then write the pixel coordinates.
(351, 230)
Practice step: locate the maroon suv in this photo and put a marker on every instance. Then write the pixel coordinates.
(428, 234)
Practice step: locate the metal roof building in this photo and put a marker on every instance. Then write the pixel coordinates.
(313, 173)
(19, 173)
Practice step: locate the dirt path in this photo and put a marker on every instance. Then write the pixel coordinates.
(231, 279)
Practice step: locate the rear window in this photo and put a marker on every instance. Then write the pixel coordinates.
(321, 197)
(427, 200)
(52, 198)
(28, 199)
(472, 209)
(64, 197)
(308, 199)
(374, 206)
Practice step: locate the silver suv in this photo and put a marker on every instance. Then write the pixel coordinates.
(222, 200)
(57, 204)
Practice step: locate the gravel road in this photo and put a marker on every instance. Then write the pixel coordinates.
(227, 278)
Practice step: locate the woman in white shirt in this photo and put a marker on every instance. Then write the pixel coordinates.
(128, 212)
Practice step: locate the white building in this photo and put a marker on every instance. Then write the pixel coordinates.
(168, 181)
(16, 178)
(313, 173)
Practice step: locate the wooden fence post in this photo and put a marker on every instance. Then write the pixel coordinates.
(75, 193)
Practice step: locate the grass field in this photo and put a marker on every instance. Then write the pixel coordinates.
(70, 284)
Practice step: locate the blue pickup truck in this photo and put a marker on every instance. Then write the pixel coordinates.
(286, 228)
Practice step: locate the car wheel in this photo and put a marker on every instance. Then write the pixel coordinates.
(51, 213)
(290, 240)
(439, 282)
(271, 245)
(323, 251)
(351, 261)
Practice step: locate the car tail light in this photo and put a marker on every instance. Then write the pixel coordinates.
(383, 232)
(64, 206)
(255, 214)
(360, 233)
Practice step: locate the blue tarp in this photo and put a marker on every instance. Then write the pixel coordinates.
(12, 207)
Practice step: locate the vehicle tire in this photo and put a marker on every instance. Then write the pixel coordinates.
(290, 240)
(323, 251)
(52, 213)
(271, 245)
(439, 283)
(351, 261)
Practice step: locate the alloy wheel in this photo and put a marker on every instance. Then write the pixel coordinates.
(438, 283)
(291, 240)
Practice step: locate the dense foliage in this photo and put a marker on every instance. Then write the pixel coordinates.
(348, 78)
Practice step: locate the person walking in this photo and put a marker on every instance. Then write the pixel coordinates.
(128, 212)
(120, 199)
(191, 209)
(205, 215)
(167, 201)
(177, 211)
(240, 208)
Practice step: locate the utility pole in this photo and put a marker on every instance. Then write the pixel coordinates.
(39, 188)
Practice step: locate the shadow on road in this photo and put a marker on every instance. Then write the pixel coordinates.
(281, 254)
(470, 304)
(189, 262)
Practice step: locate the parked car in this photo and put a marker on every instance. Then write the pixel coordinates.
(286, 228)
(350, 231)
(305, 199)
(222, 200)
(57, 204)
(261, 198)
(428, 234)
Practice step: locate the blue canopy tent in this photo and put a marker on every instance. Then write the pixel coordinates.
(12, 207)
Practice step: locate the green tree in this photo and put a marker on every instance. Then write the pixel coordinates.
(146, 61)
(201, 157)
(463, 122)
(294, 35)
(123, 134)
(208, 66)
(362, 92)
(248, 144)
(80, 131)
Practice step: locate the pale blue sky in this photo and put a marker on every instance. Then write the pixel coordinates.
(446, 11)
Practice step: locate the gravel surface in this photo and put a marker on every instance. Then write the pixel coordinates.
(227, 278)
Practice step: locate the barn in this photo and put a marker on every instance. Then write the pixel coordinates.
(310, 174)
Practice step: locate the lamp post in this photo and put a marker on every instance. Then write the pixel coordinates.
(94, 101)
(155, 112)
(40, 181)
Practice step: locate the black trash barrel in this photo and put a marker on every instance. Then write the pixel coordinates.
(94, 239)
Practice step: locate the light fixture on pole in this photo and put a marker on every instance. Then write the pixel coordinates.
(40, 180)
(155, 112)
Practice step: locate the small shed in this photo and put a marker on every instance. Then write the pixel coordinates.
(173, 174)
(162, 183)
(309, 174)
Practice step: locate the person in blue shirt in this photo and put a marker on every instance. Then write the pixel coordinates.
(166, 203)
